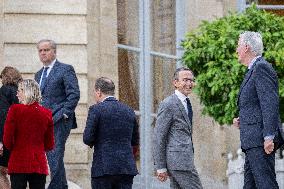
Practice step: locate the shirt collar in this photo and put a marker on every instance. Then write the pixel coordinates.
(51, 64)
(181, 96)
(252, 62)
(107, 98)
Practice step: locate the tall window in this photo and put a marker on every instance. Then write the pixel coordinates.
(147, 59)
(274, 6)
(162, 43)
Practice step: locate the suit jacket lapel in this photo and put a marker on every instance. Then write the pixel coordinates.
(52, 72)
(38, 75)
(182, 109)
(247, 77)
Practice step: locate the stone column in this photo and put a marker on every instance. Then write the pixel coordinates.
(102, 42)
(1, 36)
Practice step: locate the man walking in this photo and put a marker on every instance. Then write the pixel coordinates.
(258, 120)
(112, 130)
(60, 93)
(173, 147)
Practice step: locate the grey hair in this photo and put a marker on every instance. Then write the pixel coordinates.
(51, 42)
(176, 74)
(105, 85)
(31, 91)
(254, 40)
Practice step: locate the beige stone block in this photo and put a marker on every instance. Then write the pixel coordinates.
(22, 56)
(79, 174)
(76, 151)
(64, 29)
(46, 7)
(203, 10)
(25, 57)
(211, 9)
(82, 109)
(83, 84)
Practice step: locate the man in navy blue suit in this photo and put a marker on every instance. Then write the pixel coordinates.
(259, 119)
(60, 93)
(112, 130)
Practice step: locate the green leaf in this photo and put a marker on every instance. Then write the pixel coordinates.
(210, 51)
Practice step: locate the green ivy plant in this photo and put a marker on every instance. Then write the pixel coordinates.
(210, 51)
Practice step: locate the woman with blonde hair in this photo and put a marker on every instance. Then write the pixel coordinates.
(28, 134)
(10, 77)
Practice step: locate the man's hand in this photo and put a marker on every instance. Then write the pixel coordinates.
(268, 146)
(162, 176)
(236, 122)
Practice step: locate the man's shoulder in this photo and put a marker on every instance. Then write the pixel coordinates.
(262, 63)
(169, 100)
(62, 66)
(264, 66)
(122, 105)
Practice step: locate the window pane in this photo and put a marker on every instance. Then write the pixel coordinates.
(163, 71)
(163, 26)
(270, 2)
(128, 72)
(127, 23)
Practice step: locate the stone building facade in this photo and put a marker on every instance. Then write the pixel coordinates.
(88, 33)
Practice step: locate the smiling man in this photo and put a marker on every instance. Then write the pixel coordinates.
(173, 147)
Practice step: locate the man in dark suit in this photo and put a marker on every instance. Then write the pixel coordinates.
(60, 93)
(112, 130)
(173, 148)
(258, 120)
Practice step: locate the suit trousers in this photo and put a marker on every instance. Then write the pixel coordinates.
(112, 182)
(185, 179)
(259, 170)
(55, 157)
(19, 180)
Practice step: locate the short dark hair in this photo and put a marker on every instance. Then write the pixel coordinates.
(10, 76)
(105, 85)
(176, 74)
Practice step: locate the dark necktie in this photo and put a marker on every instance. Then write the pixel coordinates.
(189, 109)
(43, 80)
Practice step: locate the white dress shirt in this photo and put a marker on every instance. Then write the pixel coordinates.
(48, 71)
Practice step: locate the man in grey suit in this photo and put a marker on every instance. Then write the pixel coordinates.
(259, 119)
(173, 148)
(60, 93)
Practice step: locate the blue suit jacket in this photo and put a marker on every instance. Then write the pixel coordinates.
(258, 103)
(61, 92)
(112, 130)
